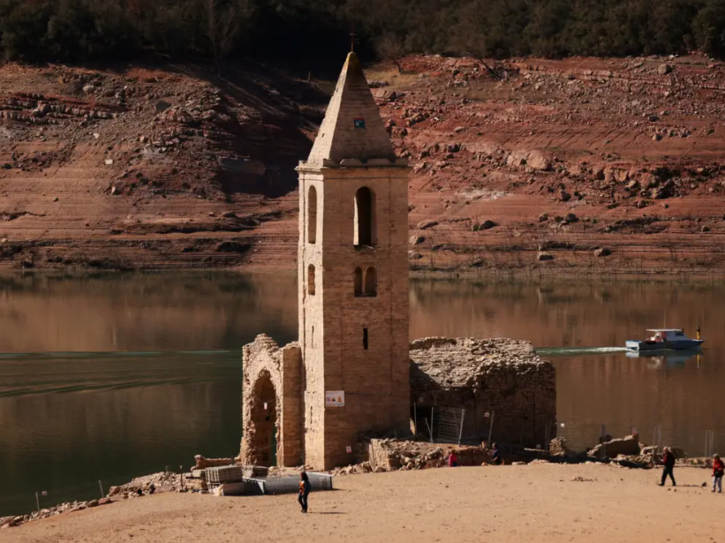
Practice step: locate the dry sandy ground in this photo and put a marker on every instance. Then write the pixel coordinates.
(545, 503)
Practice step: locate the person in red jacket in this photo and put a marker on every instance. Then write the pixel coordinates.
(718, 468)
(668, 459)
(453, 460)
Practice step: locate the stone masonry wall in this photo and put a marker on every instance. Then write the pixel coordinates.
(263, 359)
(375, 380)
(499, 378)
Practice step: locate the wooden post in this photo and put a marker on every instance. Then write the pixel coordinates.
(100, 485)
(415, 417)
(490, 428)
(460, 432)
(37, 501)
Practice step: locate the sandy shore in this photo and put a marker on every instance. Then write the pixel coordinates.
(545, 503)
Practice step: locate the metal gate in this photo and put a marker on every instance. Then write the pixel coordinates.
(447, 424)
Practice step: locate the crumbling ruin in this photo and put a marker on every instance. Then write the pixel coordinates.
(502, 384)
(349, 377)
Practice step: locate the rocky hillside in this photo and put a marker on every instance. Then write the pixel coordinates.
(582, 164)
(149, 167)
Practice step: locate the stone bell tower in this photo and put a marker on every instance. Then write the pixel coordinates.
(353, 277)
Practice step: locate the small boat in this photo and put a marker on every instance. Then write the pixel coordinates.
(665, 339)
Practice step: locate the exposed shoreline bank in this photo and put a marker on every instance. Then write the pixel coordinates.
(511, 502)
(538, 275)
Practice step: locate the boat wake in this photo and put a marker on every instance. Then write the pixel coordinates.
(573, 351)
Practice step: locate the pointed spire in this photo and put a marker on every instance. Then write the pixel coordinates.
(353, 129)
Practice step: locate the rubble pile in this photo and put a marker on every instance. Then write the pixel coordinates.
(67, 507)
(627, 446)
(140, 486)
(392, 454)
(499, 378)
(148, 484)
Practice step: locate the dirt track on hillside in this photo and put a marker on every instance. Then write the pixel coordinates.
(546, 503)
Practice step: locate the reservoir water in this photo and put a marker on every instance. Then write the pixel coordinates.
(106, 377)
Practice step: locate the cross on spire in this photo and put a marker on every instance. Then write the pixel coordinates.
(352, 38)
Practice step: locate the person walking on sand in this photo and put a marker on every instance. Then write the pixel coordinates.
(718, 468)
(305, 488)
(668, 459)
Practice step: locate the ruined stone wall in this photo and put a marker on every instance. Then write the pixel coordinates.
(375, 380)
(500, 379)
(392, 454)
(264, 364)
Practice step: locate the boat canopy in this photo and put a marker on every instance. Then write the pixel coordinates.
(665, 329)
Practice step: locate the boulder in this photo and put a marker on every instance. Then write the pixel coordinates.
(161, 106)
(659, 193)
(628, 446)
(543, 217)
(620, 175)
(557, 447)
(664, 69)
(536, 160)
(416, 240)
(516, 159)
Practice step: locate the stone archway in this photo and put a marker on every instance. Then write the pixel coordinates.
(263, 438)
(272, 403)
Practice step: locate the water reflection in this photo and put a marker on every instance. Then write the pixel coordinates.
(668, 359)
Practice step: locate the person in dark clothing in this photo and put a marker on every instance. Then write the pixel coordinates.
(668, 459)
(305, 488)
(496, 455)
